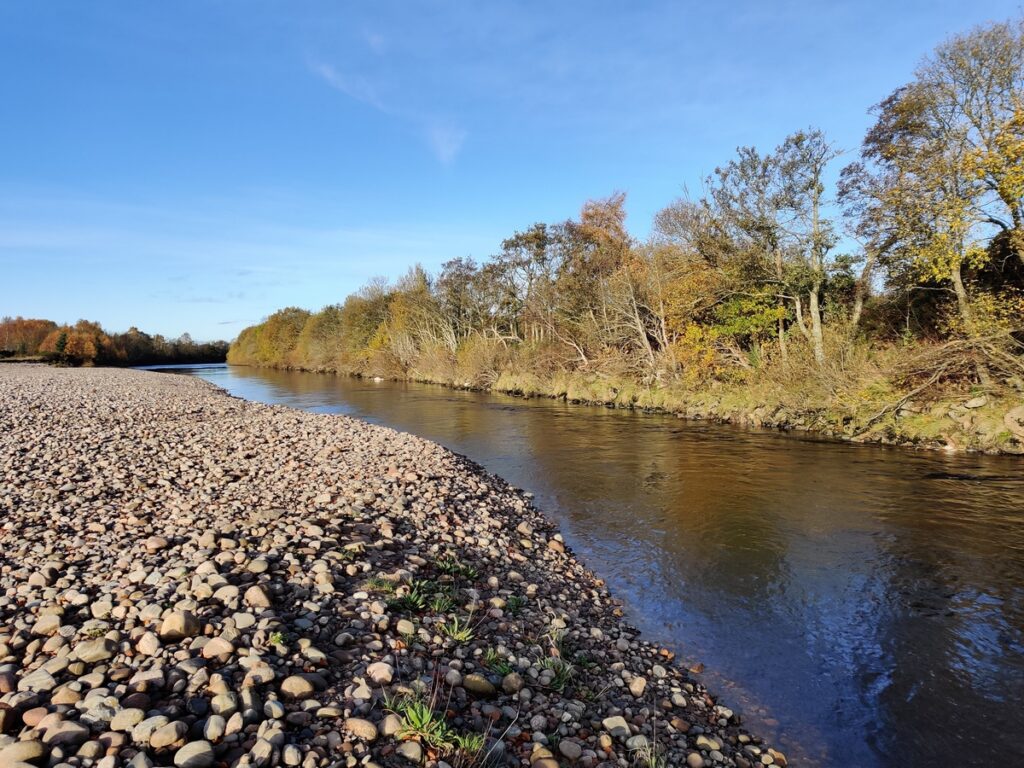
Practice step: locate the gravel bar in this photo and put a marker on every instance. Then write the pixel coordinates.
(194, 580)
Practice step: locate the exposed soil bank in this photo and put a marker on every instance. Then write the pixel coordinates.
(191, 579)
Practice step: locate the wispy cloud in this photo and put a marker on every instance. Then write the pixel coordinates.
(352, 86)
(376, 42)
(442, 134)
(446, 139)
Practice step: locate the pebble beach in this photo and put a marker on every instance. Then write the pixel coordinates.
(194, 580)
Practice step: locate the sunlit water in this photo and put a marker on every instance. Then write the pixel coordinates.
(860, 606)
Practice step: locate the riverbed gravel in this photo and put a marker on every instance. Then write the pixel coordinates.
(194, 580)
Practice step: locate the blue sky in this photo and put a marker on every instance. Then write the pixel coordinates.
(193, 166)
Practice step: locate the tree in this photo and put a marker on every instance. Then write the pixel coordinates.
(973, 97)
(746, 218)
(802, 161)
(930, 194)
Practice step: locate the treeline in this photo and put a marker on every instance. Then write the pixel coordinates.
(86, 343)
(900, 270)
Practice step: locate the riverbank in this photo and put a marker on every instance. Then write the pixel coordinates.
(203, 580)
(972, 422)
(977, 422)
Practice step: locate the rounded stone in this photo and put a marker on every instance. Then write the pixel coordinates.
(570, 749)
(296, 688)
(195, 754)
(411, 751)
(380, 672)
(478, 684)
(23, 752)
(362, 729)
(168, 735)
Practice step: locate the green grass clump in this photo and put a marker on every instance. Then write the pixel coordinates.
(457, 630)
(495, 662)
(416, 598)
(452, 566)
(380, 584)
(423, 720)
(442, 602)
(277, 638)
(564, 672)
(514, 605)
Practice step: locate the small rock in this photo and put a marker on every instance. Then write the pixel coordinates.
(380, 673)
(411, 751)
(195, 754)
(570, 749)
(214, 728)
(179, 625)
(65, 732)
(23, 752)
(255, 597)
(512, 683)
(46, 625)
(148, 645)
(361, 729)
(296, 687)
(479, 685)
(637, 686)
(169, 734)
(616, 726)
(127, 719)
(93, 651)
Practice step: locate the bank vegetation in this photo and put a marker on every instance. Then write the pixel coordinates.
(87, 343)
(878, 296)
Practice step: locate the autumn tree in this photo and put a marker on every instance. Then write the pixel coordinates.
(972, 97)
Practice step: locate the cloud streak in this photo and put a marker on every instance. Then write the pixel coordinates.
(352, 86)
(442, 135)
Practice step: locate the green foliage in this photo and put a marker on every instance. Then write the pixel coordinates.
(452, 566)
(495, 662)
(564, 672)
(380, 584)
(749, 319)
(422, 721)
(458, 630)
(514, 605)
(442, 602)
(469, 744)
(277, 638)
(416, 597)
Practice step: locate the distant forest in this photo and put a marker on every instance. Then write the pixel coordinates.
(86, 343)
(790, 280)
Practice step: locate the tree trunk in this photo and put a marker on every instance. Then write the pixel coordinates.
(962, 301)
(817, 338)
(861, 289)
(782, 335)
(783, 349)
(964, 306)
(800, 322)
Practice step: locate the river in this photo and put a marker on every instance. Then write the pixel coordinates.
(859, 605)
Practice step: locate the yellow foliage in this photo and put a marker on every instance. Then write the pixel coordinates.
(695, 353)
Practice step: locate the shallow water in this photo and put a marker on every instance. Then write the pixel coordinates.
(859, 605)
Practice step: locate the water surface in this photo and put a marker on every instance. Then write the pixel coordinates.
(859, 605)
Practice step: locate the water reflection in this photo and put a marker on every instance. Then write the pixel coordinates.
(862, 606)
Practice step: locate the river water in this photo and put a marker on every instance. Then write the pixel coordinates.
(858, 605)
